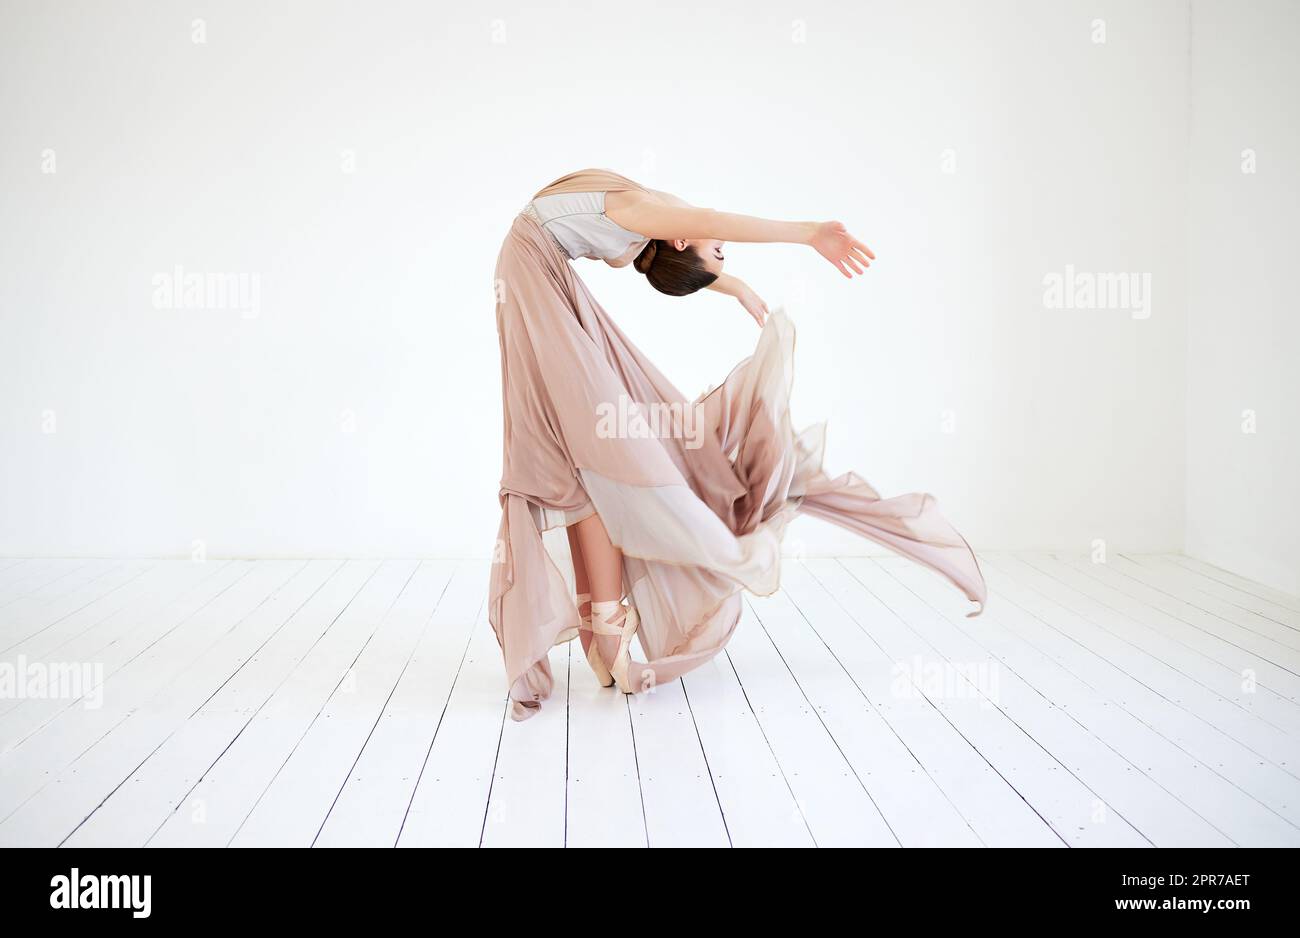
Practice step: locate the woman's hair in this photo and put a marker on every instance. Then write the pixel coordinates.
(671, 271)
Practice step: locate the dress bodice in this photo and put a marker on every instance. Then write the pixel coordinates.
(578, 223)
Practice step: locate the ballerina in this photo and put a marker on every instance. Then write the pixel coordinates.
(667, 520)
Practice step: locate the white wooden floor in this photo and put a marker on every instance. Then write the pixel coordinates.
(1152, 701)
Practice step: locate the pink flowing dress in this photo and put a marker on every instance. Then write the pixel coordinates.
(697, 494)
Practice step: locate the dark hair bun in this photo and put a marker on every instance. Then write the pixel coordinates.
(646, 257)
(672, 271)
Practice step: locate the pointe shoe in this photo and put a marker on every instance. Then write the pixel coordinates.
(613, 618)
(593, 653)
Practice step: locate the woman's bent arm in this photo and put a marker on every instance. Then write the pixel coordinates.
(735, 287)
(728, 285)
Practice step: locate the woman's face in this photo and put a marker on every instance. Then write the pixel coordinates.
(710, 252)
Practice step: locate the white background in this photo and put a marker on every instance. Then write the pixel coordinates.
(376, 317)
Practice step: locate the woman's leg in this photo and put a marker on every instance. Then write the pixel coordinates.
(580, 585)
(603, 561)
(582, 591)
(613, 624)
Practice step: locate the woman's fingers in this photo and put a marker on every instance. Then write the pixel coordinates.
(755, 306)
(849, 255)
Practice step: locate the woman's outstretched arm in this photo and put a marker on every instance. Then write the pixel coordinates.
(735, 287)
(652, 216)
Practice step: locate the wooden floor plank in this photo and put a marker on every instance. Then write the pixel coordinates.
(43, 575)
(850, 624)
(213, 811)
(758, 803)
(1237, 674)
(1274, 622)
(167, 779)
(294, 805)
(1228, 639)
(35, 614)
(449, 806)
(43, 801)
(108, 643)
(47, 635)
(831, 794)
(1130, 651)
(1229, 585)
(1154, 700)
(371, 807)
(526, 805)
(677, 789)
(911, 800)
(604, 803)
(1172, 797)
(1169, 701)
(8, 568)
(971, 689)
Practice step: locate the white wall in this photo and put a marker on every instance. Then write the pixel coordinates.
(171, 426)
(1243, 365)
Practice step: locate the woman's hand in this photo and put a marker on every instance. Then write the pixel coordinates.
(734, 286)
(753, 304)
(833, 242)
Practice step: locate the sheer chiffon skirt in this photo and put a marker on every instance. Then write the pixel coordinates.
(697, 494)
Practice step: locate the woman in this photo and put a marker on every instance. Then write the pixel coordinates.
(671, 507)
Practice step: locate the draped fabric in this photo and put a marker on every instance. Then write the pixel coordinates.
(696, 493)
